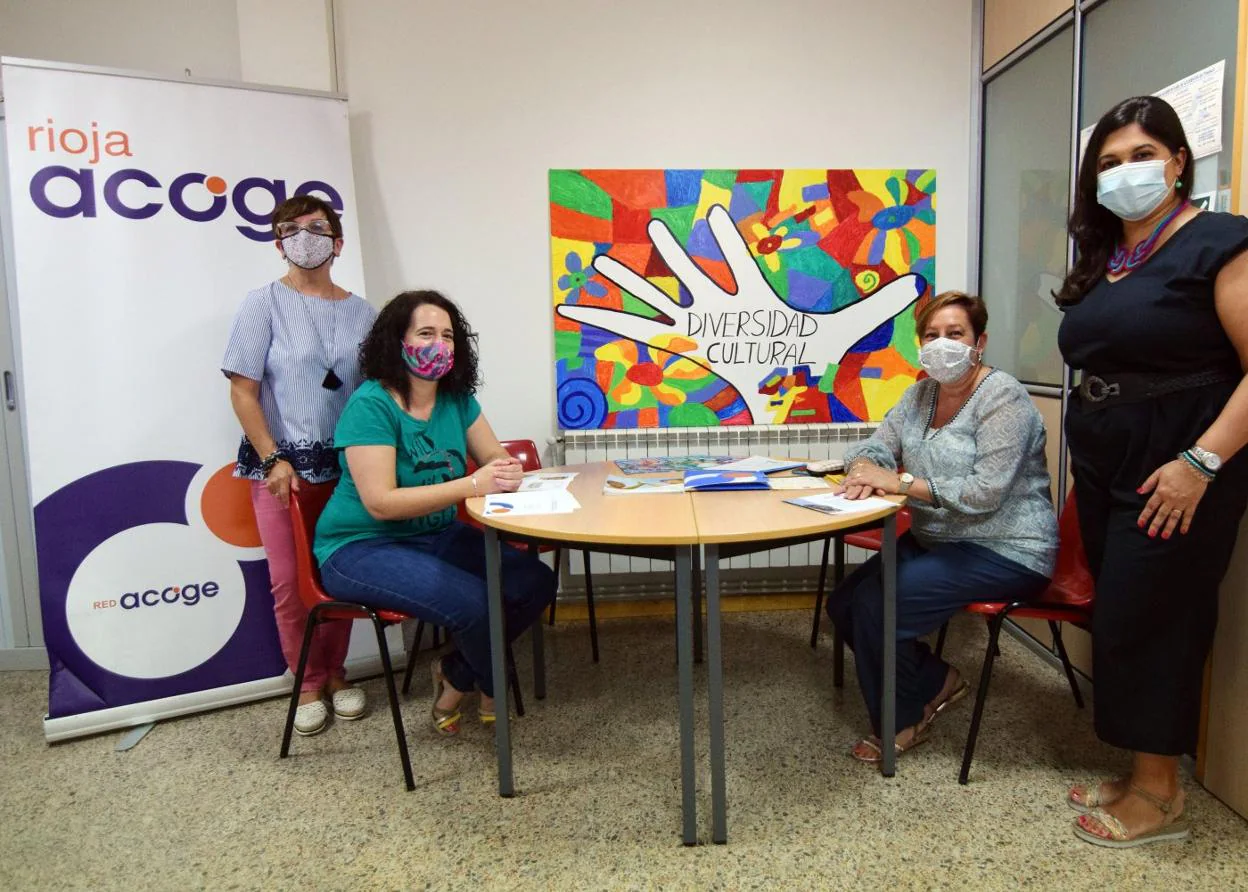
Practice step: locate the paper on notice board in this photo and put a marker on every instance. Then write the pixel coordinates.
(1198, 101)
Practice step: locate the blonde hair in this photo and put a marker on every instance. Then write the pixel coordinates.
(974, 307)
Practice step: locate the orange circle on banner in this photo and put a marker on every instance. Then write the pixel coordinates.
(215, 185)
(226, 508)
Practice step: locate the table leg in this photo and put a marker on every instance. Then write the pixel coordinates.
(715, 685)
(888, 709)
(539, 660)
(684, 660)
(697, 604)
(498, 661)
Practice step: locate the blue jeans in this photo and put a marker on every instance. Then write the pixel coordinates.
(932, 585)
(440, 578)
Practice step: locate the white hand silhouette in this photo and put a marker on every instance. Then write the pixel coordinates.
(836, 331)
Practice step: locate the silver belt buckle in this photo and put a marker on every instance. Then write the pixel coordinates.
(1097, 390)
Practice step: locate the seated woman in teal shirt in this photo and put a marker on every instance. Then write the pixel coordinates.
(388, 536)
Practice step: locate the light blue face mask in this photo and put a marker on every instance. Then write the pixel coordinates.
(1133, 191)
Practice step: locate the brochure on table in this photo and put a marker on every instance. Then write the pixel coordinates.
(546, 481)
(626, 486)
(518, 504)
(830, 503)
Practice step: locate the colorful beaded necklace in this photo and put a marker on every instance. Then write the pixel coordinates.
(1123, 260)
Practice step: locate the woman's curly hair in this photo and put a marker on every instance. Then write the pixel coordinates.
(381, 354)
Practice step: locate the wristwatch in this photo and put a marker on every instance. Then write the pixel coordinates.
(907, 479)
(1211, 461)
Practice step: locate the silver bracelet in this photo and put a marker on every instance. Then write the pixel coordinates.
(473, 478)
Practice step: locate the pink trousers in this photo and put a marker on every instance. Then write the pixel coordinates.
(329, 644)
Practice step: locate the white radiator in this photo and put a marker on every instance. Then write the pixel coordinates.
(810, 441)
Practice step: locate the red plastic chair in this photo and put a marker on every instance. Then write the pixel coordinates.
(525, 452)
(1068, 599)
(305, 509)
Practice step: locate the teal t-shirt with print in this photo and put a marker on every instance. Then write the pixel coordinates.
(426, 452)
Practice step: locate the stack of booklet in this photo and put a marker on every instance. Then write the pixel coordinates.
(720, 480)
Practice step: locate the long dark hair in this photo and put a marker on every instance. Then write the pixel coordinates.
(1095, 229)
(381, 354)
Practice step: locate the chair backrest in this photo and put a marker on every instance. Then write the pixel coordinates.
(1072, 579)
(306, 506)
(523, 451)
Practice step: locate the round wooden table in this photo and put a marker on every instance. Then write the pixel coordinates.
(669, 526)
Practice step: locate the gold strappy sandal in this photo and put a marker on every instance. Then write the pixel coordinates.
(445, 721)
(877, 753)
(1176, 827)
(1091, 795)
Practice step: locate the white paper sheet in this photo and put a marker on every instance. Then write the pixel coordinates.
(518, 504)
(760, 463)
(546, 481)
(834, 504)
(798, 483)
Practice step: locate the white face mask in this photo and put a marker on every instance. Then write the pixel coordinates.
(307, 250)
(1133, 191)
(947, 360)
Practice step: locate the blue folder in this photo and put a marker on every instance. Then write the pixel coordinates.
(724, 481)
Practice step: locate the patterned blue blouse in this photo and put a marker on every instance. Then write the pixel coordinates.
(288, 342)
(985, 467)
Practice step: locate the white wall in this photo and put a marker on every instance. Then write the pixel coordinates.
(459, 110)
(458, 114)
(164, 36)
(287, 42)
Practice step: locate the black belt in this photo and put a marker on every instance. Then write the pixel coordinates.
(1102, 391)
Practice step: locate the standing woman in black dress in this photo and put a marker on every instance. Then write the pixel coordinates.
(1156, 318)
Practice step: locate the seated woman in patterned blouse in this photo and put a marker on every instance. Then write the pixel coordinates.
(971, 443)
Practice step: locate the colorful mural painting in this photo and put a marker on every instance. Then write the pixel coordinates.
(713, 297)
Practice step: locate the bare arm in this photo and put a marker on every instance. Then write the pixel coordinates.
(245, 398)
(1229, 431)
(1175, 489)
(483, 445)
(373, 470)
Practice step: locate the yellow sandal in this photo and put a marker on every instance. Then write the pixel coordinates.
(445, 721)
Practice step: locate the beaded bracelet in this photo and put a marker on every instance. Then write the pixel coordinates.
(1204, 472)
(267, 463)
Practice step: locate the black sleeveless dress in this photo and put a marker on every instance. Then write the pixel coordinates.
(1156, 600)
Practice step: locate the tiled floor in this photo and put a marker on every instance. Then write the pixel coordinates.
(203, 802)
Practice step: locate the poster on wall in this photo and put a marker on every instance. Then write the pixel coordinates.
(141, 218)
(724, 297)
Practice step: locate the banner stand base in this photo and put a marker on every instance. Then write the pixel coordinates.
(101, 721)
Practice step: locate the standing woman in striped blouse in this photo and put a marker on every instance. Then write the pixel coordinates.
(293, 361)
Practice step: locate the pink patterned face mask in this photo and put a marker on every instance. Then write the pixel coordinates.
(429, 361)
